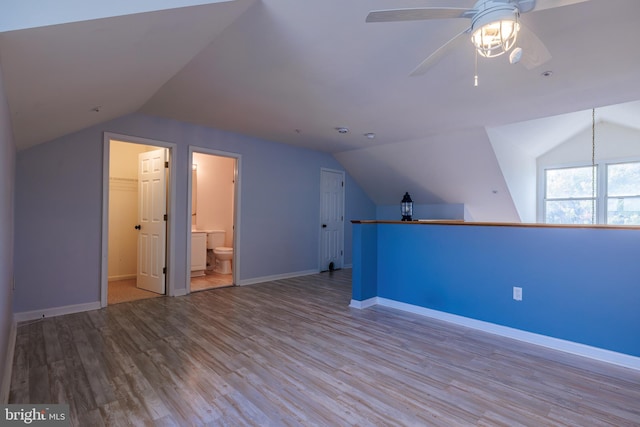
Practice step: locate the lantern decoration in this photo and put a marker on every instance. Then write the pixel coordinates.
(406, 208)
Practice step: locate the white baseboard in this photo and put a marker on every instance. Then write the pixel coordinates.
(55, 311)
(364, 304)
(179, 292)
(276, 277)
(5, 387)
(571, 347)
(121, 277)
(347, 266)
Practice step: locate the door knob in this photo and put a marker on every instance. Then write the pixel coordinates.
(324, 225)
(137, 227)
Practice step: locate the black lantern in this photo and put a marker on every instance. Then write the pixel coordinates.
(406, 208)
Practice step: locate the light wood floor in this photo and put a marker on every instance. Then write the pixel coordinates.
(126, 290)
(291, 352)
(211, 280)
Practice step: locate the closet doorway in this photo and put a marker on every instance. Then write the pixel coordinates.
(213, 208)
(135, 231)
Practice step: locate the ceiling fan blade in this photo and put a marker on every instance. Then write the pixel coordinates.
(549, 4)
(418, 14)
(442, 50)
(535, 53)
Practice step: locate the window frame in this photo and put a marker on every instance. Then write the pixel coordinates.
(606, 196)
(602, 192)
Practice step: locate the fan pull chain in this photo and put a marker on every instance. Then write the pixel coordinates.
(593, 166)
(475, 77)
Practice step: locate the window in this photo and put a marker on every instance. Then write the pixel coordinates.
(569, 195)
(571, 198)
(623, 193)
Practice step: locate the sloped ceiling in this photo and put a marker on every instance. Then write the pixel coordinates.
(18, 15)
(56, 76)
(292, 71)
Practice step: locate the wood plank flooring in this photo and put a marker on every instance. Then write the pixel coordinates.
(211, 280)
(291, 352)
(126, 290)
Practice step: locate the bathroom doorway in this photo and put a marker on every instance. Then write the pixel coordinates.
(213, 207)
(135, 231)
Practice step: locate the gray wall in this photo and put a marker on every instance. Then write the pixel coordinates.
(59, 197)
(7, 164)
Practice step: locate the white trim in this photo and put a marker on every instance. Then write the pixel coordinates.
(171, 210)
(601, 178)
(276, 277)
(56, 311)
(347, 266)
(180, 292)
(189, 218)
(121, 277)
(5, 388)
(363, 304)
(104, 235)
(344, 183)
(235, 272)
(571, 347)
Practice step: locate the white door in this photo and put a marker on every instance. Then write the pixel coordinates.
(331, 219)
(152, 229)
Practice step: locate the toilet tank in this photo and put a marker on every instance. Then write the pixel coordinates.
(215, 239)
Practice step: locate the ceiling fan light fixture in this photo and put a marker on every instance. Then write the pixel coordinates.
(495, 32)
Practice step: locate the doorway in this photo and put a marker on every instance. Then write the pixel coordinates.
(331, 219)
(213, 208)
(136, 203)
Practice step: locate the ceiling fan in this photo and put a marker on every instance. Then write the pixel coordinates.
(495, 28)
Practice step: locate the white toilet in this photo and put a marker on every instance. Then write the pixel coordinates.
(222, 254)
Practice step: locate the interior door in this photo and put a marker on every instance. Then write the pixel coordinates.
(331, 219)
(152, 230)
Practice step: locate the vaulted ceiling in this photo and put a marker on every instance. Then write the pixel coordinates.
(293, 71)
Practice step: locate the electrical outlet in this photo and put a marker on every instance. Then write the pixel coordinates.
(517, 293)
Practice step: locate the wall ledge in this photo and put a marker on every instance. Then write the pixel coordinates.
(608, 356)
(497, 224)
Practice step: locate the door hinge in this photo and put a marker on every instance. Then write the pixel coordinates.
(165, 217)
(343, 183)
(164, 270)
(166, 165)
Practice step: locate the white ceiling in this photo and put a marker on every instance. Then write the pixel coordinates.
(56, 75)
(18, 15)
(292, 71)
(536, 137)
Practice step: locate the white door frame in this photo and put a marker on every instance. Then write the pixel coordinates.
(171, 209)
(320, 218)
(235, 271)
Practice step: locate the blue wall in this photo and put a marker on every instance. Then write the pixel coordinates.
(579, 284)
(59, 208)
(365, 262)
